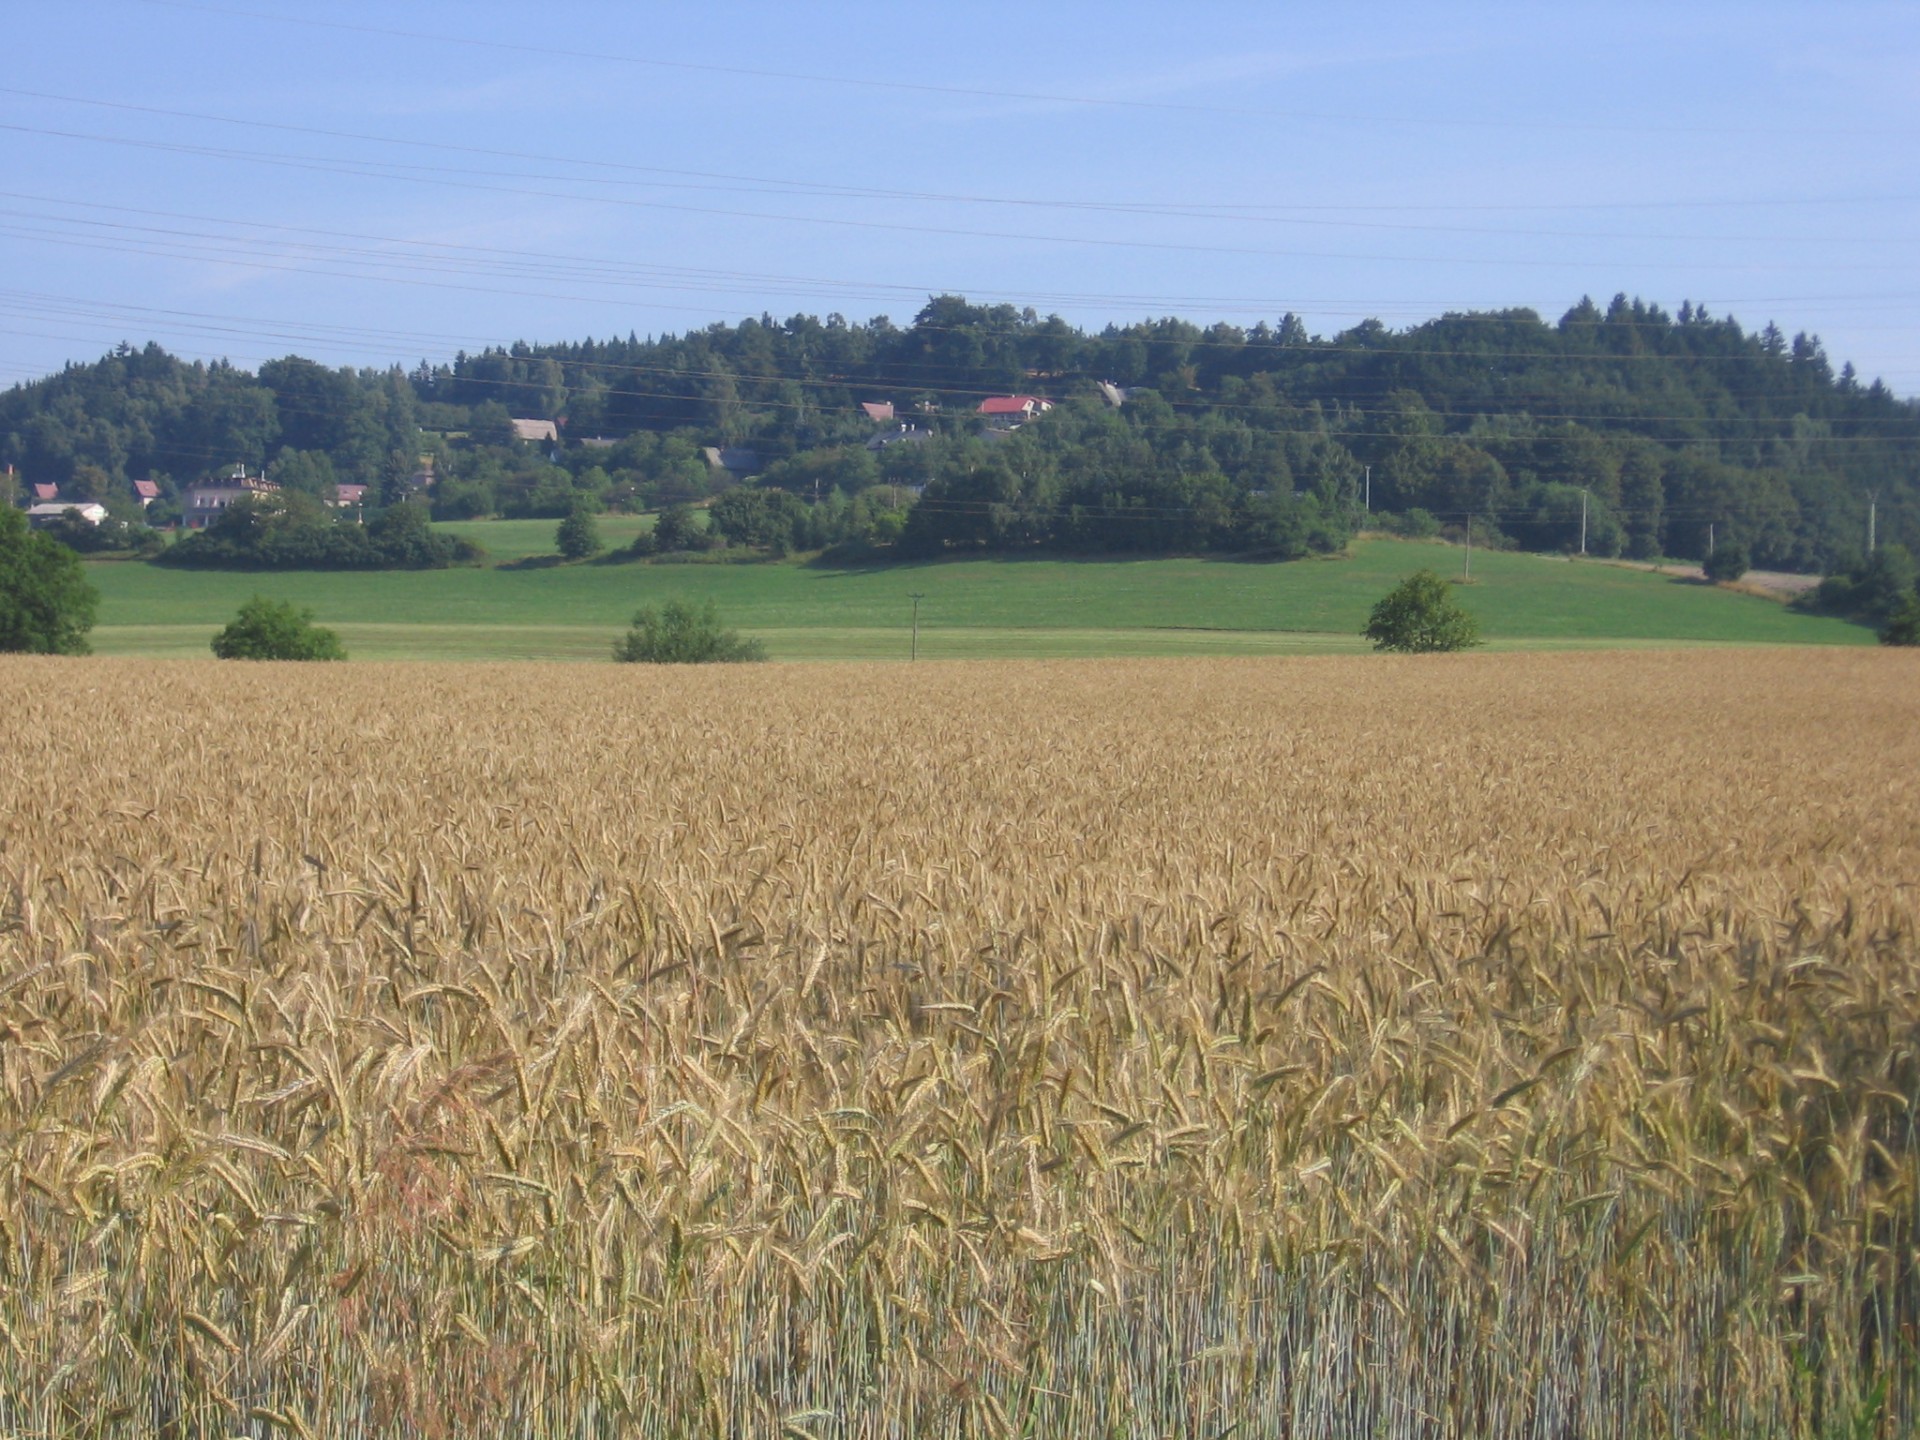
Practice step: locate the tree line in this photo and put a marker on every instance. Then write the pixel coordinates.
(1626, 428)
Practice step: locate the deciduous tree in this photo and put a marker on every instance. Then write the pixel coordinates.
(577, 537)
(46, 602)
(1419, 616)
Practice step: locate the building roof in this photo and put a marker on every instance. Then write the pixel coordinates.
(736, 459)
(43, 491)
(87, 508)
(202, 495)
(146, 489)
(1013, 405)
(349, 494)
(878, 410)
(252, 484)
(535, 430)
(904, 434)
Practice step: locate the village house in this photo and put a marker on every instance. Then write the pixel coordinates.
(202, 503)
(878, 411)
(48, 512)
(146, 492)
(1006, 411)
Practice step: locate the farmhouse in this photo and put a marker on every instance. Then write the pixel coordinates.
(48, 512)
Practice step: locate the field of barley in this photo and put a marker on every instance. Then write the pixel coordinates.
(1496, 1045)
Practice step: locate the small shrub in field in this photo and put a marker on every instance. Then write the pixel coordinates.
(1418, 616)
(1903, 626)
(577, 537)
(677, 529)
(1414, 524)
(681, 634)
(275, 630)
(1727, 563)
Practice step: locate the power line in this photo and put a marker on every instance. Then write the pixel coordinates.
(443, 177)
(762, 184)
(579, 266)
(421, 265)
(1422, 122)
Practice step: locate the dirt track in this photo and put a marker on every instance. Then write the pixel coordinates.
(1775, 582)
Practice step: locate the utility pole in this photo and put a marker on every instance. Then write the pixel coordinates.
(1583, 519)
(1873, 506)
(1469, 571)
(1709, 537)
(1369, 489)
(916, 596)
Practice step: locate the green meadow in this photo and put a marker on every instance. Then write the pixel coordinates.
(518, 606)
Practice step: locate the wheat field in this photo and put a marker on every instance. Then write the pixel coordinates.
(1453, 1046)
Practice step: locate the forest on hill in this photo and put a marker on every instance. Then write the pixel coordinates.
(1659, 434)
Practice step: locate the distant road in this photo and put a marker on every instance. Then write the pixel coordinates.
(1781, 582)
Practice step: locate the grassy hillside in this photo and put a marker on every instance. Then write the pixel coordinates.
(1041, 607)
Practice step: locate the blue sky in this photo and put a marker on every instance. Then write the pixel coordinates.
(370, 183)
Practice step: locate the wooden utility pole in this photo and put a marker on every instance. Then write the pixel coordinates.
(1583, 519)
(916, 596)
(1469, 570)
(1873, 507)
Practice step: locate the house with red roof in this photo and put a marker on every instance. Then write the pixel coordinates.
(1010, 410)
(146, 492)
(45, 493)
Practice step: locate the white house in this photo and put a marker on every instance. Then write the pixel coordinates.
(202, 504)
(48, 512)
